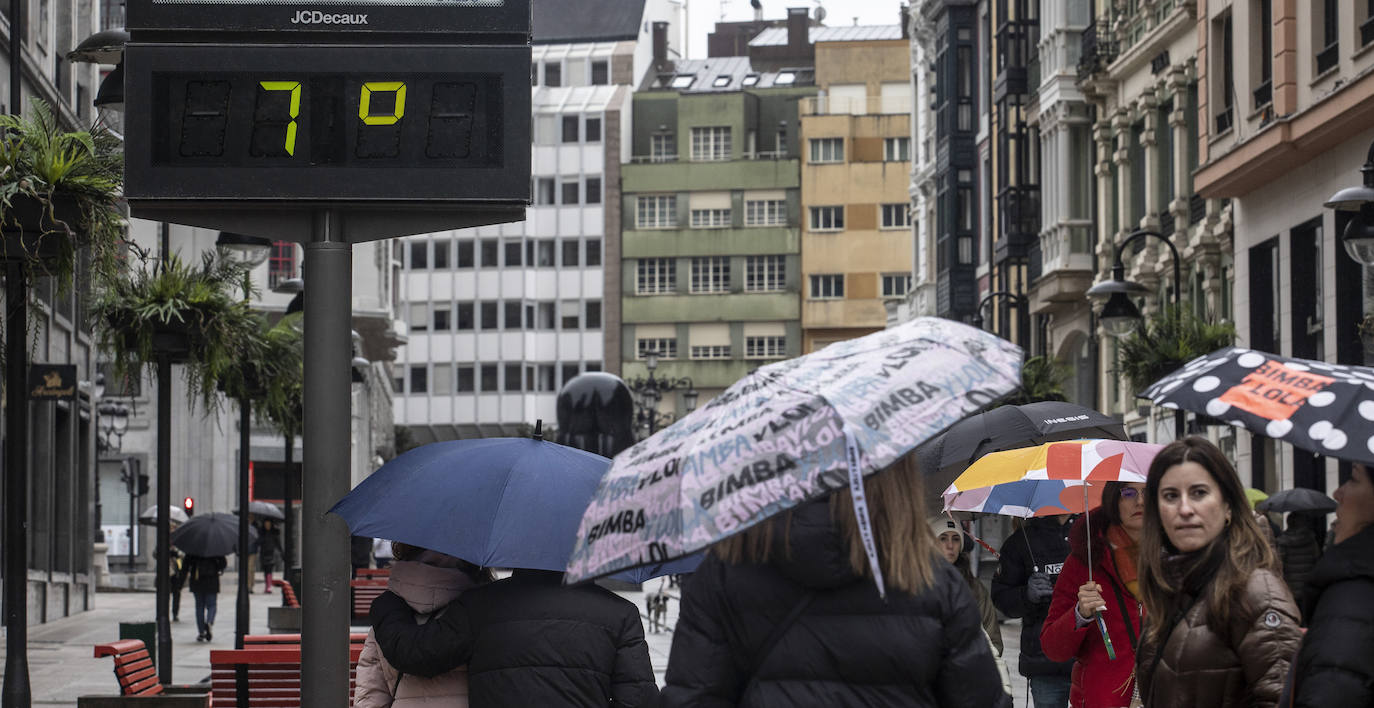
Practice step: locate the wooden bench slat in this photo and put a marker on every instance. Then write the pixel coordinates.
(133, 667)
(146, 687)
(118, 647)
(140, 675)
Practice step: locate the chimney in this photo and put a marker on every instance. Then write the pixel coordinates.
(660, 45)
(905, 15)
(798, 31)
(758, 9)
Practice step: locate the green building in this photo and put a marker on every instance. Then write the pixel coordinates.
(711, 249)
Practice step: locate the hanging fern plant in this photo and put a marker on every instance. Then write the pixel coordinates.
(269, 372)
(1171, 338)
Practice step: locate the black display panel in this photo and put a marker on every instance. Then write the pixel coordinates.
(488, 21)
(327, 122)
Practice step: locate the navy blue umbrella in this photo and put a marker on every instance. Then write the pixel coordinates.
(495, 502)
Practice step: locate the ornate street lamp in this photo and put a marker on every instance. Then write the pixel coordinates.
(1359, 233)
(1019, 303)
(651, 389)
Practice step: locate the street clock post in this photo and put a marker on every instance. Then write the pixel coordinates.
(330, 123)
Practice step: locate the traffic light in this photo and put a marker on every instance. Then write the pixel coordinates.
(142, 488)
(189, 505)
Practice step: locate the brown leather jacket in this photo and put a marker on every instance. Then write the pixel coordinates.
(1245, 669)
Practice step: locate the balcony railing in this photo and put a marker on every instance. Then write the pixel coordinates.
(1327, 58)
(1098, 48)
(762, 155)
(1264, 95)
(855, 106)
(1224, 120)
(1197, 209)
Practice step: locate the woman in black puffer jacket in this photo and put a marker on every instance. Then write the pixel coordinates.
(786, 614)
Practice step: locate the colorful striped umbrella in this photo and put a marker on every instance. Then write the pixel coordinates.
(1048, 479)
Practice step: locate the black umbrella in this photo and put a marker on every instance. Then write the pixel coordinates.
(210, 535)
(1009, 428)
(1299, 499)
(266, 510)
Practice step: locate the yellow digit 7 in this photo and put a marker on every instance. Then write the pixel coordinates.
(295, 88)
(365, 102)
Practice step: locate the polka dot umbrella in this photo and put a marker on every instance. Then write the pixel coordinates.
(1320, 407)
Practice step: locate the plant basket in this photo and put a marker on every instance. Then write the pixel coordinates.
(1367, 334)
(36, 229)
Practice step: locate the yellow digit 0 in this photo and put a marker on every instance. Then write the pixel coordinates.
(295, 88)
(365, 102)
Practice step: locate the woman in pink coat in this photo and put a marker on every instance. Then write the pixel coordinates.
(428, 581)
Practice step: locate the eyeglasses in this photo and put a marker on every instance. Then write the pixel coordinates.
(1130, 493)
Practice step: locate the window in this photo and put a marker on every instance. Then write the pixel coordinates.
(768, 347)
(544, 191)
(896, 216)
(601, 72)
(593, 314)
(665, 347)
(419, 316)
(765, 273)
(571, 250)
(512, 253)
(570, 190)
(513, 314)
(442, 383)
(593, 131)
(721, 81)
(1224, 90)
(465, 249)
(546, 318)
(441, 254)
(1328, 44)
(281, 265)
(896, 284)
(489, 315)
(896, 149)
(570, 129)
(656, 211)
(569, 314)
(464, 316)
(711, 351)
(490, 378)
(825, 287)
(569, 372)
(443, 318)
(544, 378)
(683, 81)
(465, 381)
(491, 249)
(751, 80)
(398, 385)
(593, 252)
(1264, 10)
(512, 378)
(827, 218)
(553, 74)
(827, 150)
(785, 78)
(662, 147)
(543, 253)
(419, 378)
(711, 274)
(710, 218)
(655, 276)
(765, 212)
(419, 255)
(711, 143)
(593, 190)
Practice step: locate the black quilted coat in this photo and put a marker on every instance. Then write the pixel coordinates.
(1336, 663)
(528, 642)
(847, 648)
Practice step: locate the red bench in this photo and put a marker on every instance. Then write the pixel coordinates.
(374, 573)
(271, 668)
(365, 590)
(288, 593)
(138, 681)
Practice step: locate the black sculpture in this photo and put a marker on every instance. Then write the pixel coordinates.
(595, 413)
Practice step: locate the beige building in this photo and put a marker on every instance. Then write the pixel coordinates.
(1287, 113)
(857, 235)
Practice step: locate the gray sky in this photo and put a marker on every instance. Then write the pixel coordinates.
(703, 15)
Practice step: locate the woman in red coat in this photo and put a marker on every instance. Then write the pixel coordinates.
(1071, 630)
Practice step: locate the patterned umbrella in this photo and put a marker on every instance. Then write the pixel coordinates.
(1323, 408)
(788, 432)
(1049, 479)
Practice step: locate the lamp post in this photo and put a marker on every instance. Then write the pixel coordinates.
(1359, 233)
(1120, 316)
(650, 390)
(113, 423)
(1022, 306)
(290, 286)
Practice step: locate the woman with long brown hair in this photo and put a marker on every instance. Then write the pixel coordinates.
(787, 613)
(1221, 626)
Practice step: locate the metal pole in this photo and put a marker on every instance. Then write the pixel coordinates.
(241, 609)
(1180, 429)
(164, 527)
(16, 692)
(131, 483)
(327, 440)
(290, 546)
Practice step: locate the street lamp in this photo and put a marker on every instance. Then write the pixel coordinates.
(1018, 302)
(650, 390)
(249, 250)
(1119, 315)
(1359, 233)
(114, 422)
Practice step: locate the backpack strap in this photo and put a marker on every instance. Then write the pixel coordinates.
(772, 641)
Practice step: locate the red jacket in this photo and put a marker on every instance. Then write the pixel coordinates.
(1098, 682)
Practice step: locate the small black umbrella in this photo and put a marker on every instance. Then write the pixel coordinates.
(266, 510)
(1009, 428)
(210, 535)
(1299, 499)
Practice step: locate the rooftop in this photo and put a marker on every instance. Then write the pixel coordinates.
(725, 74)
(777, 36)
(562, 21)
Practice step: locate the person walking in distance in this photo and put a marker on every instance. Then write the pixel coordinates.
(1221, 626)
(203, 574)
(1023, 586)
(269, 551)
